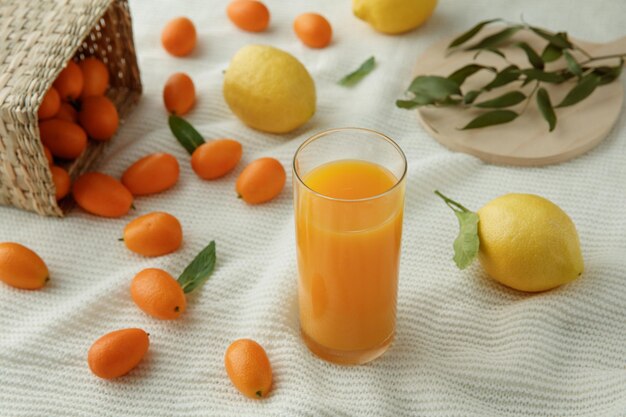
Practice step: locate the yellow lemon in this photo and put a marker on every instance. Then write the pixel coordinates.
(528, 243)
(393, 16)
(268, 89)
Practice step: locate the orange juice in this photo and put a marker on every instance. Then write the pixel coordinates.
(348, 226)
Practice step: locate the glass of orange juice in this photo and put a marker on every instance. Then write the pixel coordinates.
(349, 200)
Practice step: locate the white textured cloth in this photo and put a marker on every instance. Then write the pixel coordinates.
(465, 346)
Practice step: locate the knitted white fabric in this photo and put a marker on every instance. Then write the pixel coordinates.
(465, 346)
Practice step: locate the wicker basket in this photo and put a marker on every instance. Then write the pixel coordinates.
(38, 37)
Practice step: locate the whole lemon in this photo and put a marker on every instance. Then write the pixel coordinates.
(393, 16)
(269, 89)
(528, 243)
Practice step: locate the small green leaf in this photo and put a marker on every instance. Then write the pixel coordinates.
(431, 89)
(185, 133)
(470, 96)
(545, 107)
(409, 104)
(199, 269)
(559, 40)
(467, 242)
(583, 89)
(527, 81)
(563, 36)
(459, 76)
(572, 64)
(551, 53)
(449, 101)
(495, 39)
(495, 51)
(416, 101)
(505, 100)
(461, 39)
(360, 73)
(506, 76)
(545, 76)
(491, 118)
(609, 74)
(492, 50)
(534, 59)
(434, 86)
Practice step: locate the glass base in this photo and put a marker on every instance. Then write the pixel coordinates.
(346, 357)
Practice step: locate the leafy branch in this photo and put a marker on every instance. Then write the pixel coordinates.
(438, 91)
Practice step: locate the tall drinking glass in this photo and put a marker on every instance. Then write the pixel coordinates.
(349, 199)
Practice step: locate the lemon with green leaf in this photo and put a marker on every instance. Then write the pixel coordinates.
(523, 241)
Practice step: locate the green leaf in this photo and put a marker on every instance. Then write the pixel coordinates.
(492, 50)
(559, 40)
(461, 39)
(449, 101)
(470, 96)
(583, 89)
(491, 118)
(506, 76)
(545, 107)
(527, 81)
(185, 133)
(495, 39)
(505, 100)
(410, 104)
(551, 53)
(417, 101)
(461, 74)
(467, 242)
(360, 73)
(430, 89)
(609, 74)
(407, 104)
(572, 64)
(199, 269)
(548, 77)
(495, 51)
(564, 37)
(534, 59)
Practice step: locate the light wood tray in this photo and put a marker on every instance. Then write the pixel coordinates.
(525, 141)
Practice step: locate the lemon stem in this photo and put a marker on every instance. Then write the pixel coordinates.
(451, 203)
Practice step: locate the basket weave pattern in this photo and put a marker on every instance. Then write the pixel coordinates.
(38, 38)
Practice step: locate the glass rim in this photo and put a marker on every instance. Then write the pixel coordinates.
(358, 129)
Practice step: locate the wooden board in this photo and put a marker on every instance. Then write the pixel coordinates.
(525, 141)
